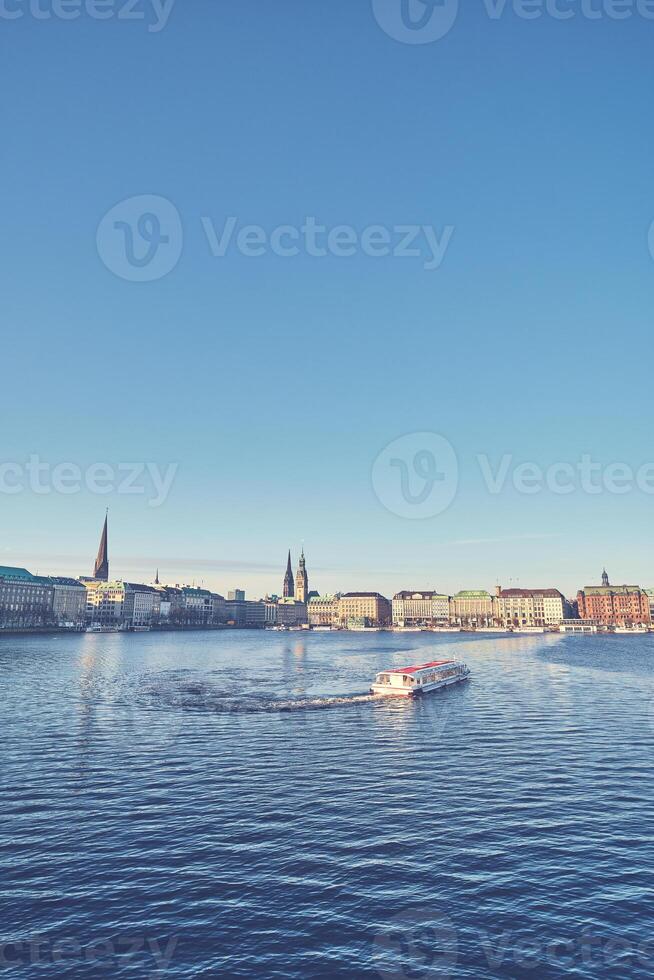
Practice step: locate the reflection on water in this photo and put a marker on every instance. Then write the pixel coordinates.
(245, 793)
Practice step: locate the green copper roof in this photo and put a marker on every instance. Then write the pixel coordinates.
(611, 589)
(473, 594)
(6, 571)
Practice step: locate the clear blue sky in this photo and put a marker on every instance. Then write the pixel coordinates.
(275, 382)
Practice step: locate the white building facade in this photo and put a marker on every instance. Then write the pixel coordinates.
(421, 609)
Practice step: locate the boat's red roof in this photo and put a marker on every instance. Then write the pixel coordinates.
(412, 670)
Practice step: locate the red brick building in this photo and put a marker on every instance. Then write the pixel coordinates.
(614, 605)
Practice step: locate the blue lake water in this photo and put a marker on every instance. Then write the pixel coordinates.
(232, 805)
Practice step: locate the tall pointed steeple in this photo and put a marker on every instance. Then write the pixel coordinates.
(605, 578)
(289, 588)
(156, 578)
(302, 580)
(101, 570)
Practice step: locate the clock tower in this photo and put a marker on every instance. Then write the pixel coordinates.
(302, 580)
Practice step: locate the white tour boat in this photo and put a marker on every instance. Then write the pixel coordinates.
(411, 681)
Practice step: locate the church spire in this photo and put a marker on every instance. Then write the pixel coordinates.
(289, 588)
(101, 569)
(156, 578)
(605, 578)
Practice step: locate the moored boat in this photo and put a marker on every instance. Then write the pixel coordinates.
(420, 679)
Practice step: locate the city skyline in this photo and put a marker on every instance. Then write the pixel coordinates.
(275, 582)
(102, 602)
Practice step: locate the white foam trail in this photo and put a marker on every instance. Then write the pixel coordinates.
(310, 703)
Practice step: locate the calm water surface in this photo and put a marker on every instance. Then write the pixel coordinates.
(232, 805)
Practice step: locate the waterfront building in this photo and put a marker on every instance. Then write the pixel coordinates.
(218, 610)
(255, 613)
(650, 597)
(68, 601)
(171, 603)
(530, 607)
(323, 610)
(246, 613)
(420, 609)
(121, 605)
(302, 580)
(270, 610)
(289, 586)
(188, 606)
(291, 612)
(197, 606)
(101, 567)
(104, 602)
(141, 605)
(473, 608)
(364, 609)
(614, 605)
(25, 599)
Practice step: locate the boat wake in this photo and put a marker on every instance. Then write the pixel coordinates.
(308, 704)
(206, 698)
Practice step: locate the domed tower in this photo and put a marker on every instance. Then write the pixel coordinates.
(605, 579)
(302, 580)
